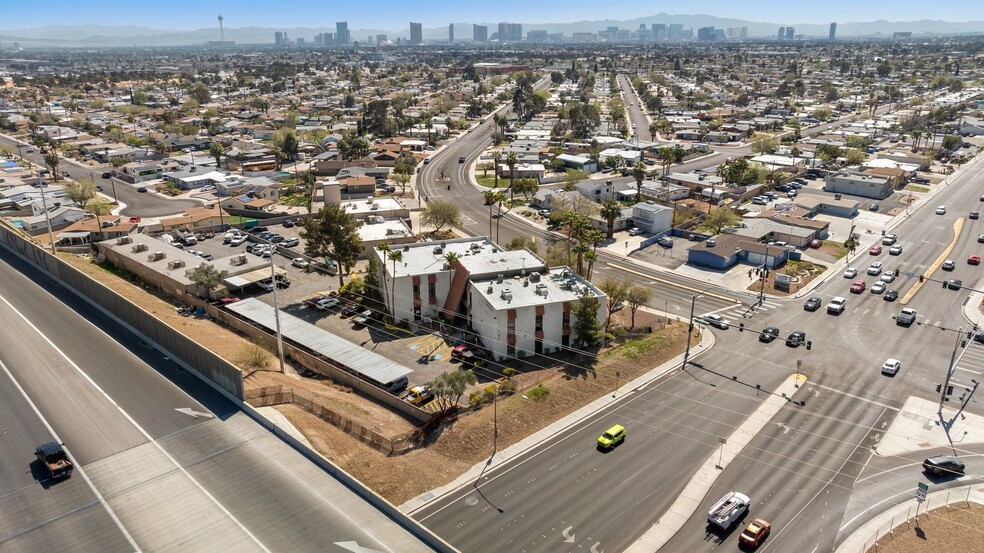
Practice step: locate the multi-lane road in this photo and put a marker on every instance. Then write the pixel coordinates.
(800, 470)
(164, 462)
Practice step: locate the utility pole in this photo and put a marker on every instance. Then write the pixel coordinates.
(276, 314)
(765, 272)
(47, 216)
(690, 331)
(951, 367)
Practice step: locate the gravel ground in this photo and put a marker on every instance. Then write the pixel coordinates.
(957, 529)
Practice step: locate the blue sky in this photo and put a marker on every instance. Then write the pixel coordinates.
(394, 15)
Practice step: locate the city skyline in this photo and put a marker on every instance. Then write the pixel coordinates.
(395, 17)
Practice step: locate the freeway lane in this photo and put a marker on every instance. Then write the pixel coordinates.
(215, 481)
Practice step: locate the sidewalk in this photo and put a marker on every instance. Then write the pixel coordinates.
(918, 428)
(538, 438)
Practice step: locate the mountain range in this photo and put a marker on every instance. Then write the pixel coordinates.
(54, 36)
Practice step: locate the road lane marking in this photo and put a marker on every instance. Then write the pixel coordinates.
(675, 284)
(78, 467)
(857, 397)
(139, 428)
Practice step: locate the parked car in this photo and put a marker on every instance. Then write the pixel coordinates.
(290, 242)
(300, 262)
(816, 243)
(326, 303)
(635, 231)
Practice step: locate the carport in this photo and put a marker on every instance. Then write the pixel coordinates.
(238, 282)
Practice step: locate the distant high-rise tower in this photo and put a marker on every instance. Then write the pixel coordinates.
(676, 31)
(380, 40)
(342, 36)
(280, 38)
(510, 32)
(480, 33)
(416, 34)
(790, 33)
(833, 32)
(221, 29)
(451, 33)
(782, 33)
(706, 34)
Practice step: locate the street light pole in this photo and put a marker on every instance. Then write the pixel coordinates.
(276, 314)
(47, 218)
(950, 368)
(690, 331)
(765, 269)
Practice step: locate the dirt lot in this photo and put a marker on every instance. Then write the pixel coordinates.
(943, 530)
(458, 445)
(802, 272)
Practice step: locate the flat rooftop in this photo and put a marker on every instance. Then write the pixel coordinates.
(558, 284)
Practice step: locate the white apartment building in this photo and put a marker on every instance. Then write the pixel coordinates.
(515, 303)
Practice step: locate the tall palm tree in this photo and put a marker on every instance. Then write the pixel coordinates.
(451, 258)
(581, 248)
(512, 159)
(308, 180)
(497, 159)
(611, 210)
(217, 151)
(639, 174)
(395, 256)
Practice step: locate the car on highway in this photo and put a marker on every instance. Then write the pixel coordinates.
(327, 303)
(954, 284)
(891, 367)
(611, 437)
(895, 250)
(812, 304)
(768, 334)
(858, 286)
(716, 321)
(975, 214)
(878, 287)
(850, 272)
(949, 265)
(754, 534)
(796, 338)
(875, 250)
(875, 268)
(906, 317)
(891, 294)
(107, 175)
(974, 260)
(941, 210)
(944, 465)
(889, 276)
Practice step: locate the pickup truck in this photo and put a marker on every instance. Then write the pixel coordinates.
(55, 461)
(418, 395)
(728, 510)
(836, 305)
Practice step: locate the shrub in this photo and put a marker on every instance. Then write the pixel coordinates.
(538, 392)
(253, 356)
(508, 372)
(476, 399)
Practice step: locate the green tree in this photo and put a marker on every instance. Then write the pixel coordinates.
(639, 174)
(448, 388)
(332, 233)
(636, 297)
(721, 217)
(766, 145)
(616, 290)
(512, 160)
(610, 211)
(207, 277)
(587, 328)
(217, 151)
(80, 192)
(52, 159)
(372, 280)
(440, 214)
(855, 156)
(200, 93)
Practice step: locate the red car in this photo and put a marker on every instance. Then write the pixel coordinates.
(974, 260)
(228, 300)
(858, 286)
(816, 243)
(755, 534)
(875, 250)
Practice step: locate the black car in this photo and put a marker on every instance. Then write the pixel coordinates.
(288, 223)
(796, 338)
(975, 214)
(108, 175)
(941, 465)
(768, 334)
(891, 295)
(812, 304)
(954, 284)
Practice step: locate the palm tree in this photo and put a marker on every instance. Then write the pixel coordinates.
(581, 248)
(451, 258)
(395, 256)
(916, 135)
(308, 180)
(217, 151)
(639, 174)
(666, 157)
(611, 210)
(512, 159)
(497, 159)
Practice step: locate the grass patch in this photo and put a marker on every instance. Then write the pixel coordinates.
(915, 188)
(487, 182)
(296, 200)
(834, 249)
(114, 270)
(637, 348)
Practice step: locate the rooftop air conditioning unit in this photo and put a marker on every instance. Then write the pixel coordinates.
(535, 276)
(438, 249)
(106, 224)
(137, 248)
(238, 260)
(489, 290)
(506, 294)
(176, 264)
(156, 256)
(498, 279)
(124, 240)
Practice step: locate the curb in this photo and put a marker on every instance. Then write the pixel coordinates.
(552, 430)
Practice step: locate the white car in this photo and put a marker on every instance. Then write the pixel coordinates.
(237, 240)
(875, 268)
(327, 303)
(299, 262)
(717, 321)
(851, 272)
(888, 277)
(635, 231)
(290, 242)
(878, 287)
(949, 265)
(891, 366)
(941, 210)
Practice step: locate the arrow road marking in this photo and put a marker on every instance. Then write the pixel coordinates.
(192, 413)
(594, 548)
(354, 547)
(785, 429)
(570, 538)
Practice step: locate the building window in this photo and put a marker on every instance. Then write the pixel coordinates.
(539, 322)
(511, 326)
(567, 319)
(431, 290)
(416, 292)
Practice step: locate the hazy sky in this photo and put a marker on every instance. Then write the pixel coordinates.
(395, 15)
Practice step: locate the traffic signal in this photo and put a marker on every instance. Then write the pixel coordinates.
(939, 388)
(921, 278)
(741, 327)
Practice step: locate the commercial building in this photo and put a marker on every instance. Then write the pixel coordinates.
(480, 33)
(511, 300)
(706, 34)
(416, 34)
(451, 33)
(280, 38)
(676, 31)
(342, 36)
(790, 33)
(857, 184)
(510, 32)
(782, 33)
(832, 35)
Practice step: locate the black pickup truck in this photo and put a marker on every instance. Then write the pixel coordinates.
(55, 461)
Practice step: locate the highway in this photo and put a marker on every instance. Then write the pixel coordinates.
(164, 463)
(137, 203)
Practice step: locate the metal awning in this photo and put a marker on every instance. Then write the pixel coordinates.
(340, 351)
(252, 277)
